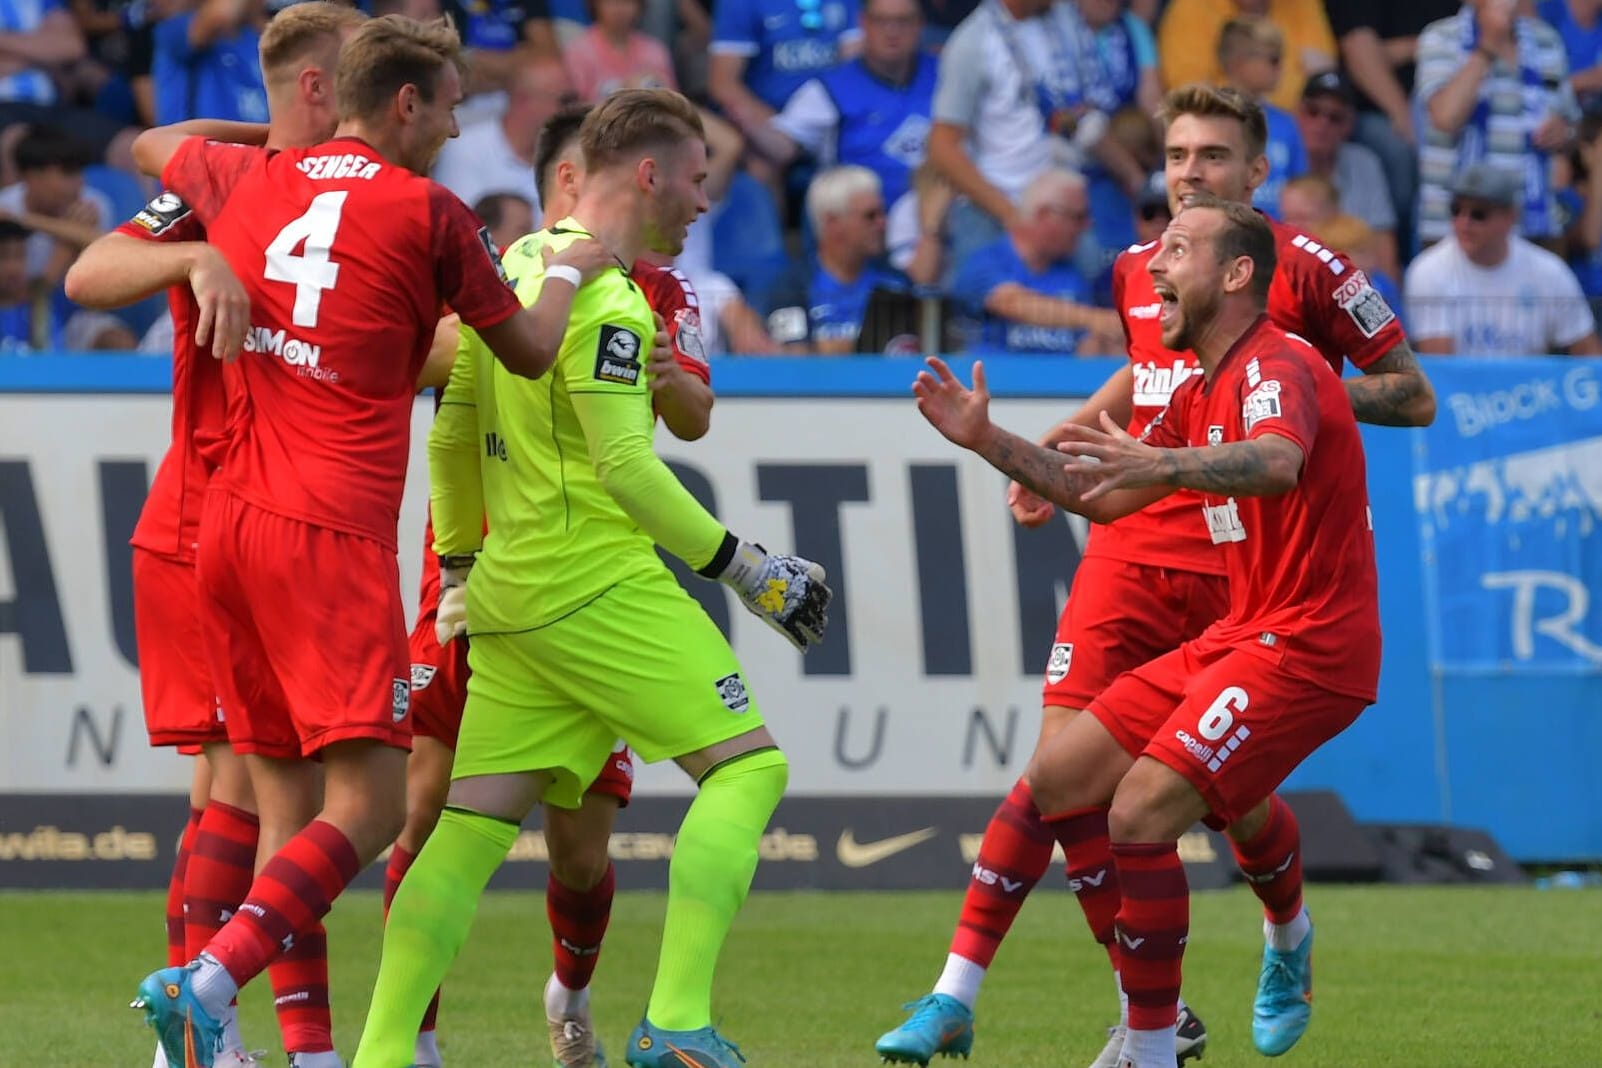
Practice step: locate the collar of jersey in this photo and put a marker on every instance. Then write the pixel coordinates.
(571, 225)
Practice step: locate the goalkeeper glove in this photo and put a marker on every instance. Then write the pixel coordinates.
(450, 617)
(785, 592)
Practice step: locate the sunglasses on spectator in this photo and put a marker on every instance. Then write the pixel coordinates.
(1335, 115)
(811, 12)
(1476, 212)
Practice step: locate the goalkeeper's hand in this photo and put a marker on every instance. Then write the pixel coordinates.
(450, 617)
(785, 592)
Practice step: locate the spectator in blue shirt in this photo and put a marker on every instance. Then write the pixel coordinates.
(206, 63)
(500, 36)
(1579, 23)
(1250, 53)
(1025, 288)
(872, 111)
(763, 50)
(819, 307)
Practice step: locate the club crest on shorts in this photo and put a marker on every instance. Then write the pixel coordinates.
(1062, 656)
(401, 698)
(733, 694)
(422, 675)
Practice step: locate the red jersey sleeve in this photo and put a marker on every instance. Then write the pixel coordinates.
(1279, 396)
(1337, 309)
(671, 296)
(467, 268)
(202, 173)
(1120, 271)
(167, 218)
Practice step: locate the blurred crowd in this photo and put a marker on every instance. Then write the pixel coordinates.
(897, 175)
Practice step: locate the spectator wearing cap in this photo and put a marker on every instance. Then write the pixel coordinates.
(1327, 117)
(498, 156)
(1250, 53)
(1025, 289)
(1186, 24)
(1485, 291)
(872, 111)
(1579, 23)
(1492, 87)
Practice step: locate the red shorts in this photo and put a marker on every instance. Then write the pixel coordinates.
(1232, 723)
(304, 632)
(439, 689)
(1121, 615)
(180, 702)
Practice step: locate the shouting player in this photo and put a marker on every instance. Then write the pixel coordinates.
(576, 501)
(164, 246)
(578, 891)
(347, 253)
(1265, 438)
(1152, 581)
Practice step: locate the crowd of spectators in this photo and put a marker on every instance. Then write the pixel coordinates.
(993, 156)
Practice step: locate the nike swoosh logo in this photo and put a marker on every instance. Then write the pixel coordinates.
(854, 854)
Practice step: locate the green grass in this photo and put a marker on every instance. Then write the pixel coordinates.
(1421, 978)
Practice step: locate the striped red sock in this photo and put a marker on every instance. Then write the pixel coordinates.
(1153, 923)
(292, 893)
(578, 925)
(222, 864)
(1091, 874)
(1015, 853)
(1272, 862)
(299, 980)
(400, 860)
(175, 892)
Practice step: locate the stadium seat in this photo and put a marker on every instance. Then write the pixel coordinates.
(747, 236)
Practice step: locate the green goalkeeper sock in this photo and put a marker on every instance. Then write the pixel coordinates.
(428, 922)
(708, 879)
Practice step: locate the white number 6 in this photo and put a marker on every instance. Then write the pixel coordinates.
(1220, 715)
(311, 272)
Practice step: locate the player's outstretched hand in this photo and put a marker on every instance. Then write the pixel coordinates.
(587, 256)
(962, 415)
(1028, 507)
(224, 305)
(788, 593)
(450, 616)
(1117, 460)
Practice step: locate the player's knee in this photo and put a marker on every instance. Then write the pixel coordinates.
(421, 819)
(582, 865)
(1045, 787)
(762, 774)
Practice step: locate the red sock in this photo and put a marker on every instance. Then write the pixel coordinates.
(400, 861)
(1153, 923)
(1272, 862)
(175, 892)
(578, 924)
(1015, 853)
(222, 864)
(299, 980)
(293, 892)
(1091, 874)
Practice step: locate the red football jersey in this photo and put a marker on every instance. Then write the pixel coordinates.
(347, 259)
(1303, 591)
(169, 523)
(670, 295)
(1316, 294)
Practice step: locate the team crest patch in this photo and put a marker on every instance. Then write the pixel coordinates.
(162, 213)
(401, 699)
(1215, 435)
(733, 694)
(1261, 403)
(687, 338)
(422, 675)
(494, 254)
(1368, 309)
(617, 356)
(1062, 657)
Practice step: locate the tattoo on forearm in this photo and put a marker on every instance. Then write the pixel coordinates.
(1389, 389)
(1034, 467)
(1239, 467)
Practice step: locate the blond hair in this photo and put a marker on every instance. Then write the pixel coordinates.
(297, 32)
(633, 122)
(388, 53)
(1213, 102)
(1239, 35)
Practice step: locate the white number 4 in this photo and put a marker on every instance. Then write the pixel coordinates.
(311, 271)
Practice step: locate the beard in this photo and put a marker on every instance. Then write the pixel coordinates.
(1196, 314)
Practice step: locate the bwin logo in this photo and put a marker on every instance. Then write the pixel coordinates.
(623, 345)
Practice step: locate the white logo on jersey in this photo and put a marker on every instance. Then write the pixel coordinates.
(1154, 385)
(1146, 311)
(1320, 253)
(295, 352)
(1359, 299)
(1223, 522)
(1261, 403)
(349, 165)
(1254, 372)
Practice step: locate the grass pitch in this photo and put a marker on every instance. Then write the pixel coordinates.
(1414, 977)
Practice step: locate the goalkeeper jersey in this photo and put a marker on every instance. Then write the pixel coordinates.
(561, 467)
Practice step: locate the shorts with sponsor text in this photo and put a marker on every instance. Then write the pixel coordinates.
(1120, 615)
(174, 677)
(304, 631)
(641, 662)
(1233, 723)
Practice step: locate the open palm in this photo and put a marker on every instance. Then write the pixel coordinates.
(959, 413)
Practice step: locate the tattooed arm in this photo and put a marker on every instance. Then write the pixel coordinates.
(1393, 391)
(1265, 466)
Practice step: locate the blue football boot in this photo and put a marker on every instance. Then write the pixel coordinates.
(938, 1023)
(187, 1033)
(1284, 1002)
(652, 1047)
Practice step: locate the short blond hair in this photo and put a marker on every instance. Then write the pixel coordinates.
(1239, 35)
(296, 32)
(388, 53)
(633, 122)
(1215, 102)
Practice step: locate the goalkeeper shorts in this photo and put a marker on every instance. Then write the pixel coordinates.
(641, 662)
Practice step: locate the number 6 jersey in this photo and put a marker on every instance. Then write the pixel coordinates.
(348, 259)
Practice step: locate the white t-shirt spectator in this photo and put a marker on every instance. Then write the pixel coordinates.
(40, 244)
(1529, 304)
(480, 162)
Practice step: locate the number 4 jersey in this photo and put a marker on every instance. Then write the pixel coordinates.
(347, 259)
